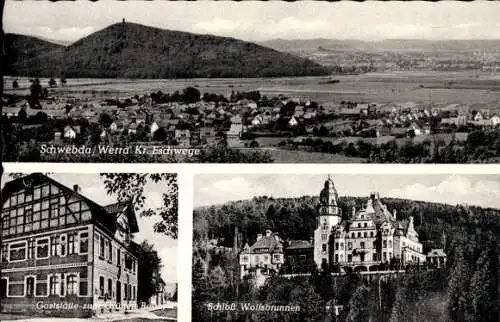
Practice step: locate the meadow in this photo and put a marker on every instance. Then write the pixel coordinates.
(384, 88)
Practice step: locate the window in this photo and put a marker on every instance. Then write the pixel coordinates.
(53, 284)
(101, 248)
(374, 257)
(353, 235)
(341, 246)
(384, 256)
(128, 262)
(359, 235)
(5, 221)
(110, 288)
(63, 245)
(365, 234)
(324, 236)
(371, 233)
(3, 287)
(384, 243)
(323, 247)
(17, 252)
(71, 284)
(349, 258)
(71, 243)
(133, 292)
(28, 219)
(42, 248)
(349, 246)
(30, 286)
(365, 225)
(130, 291)
(125, 291)
(374, 244)
(101, 285)
(83, 288)
(54, 209)
(118, 257)
(276, 257)
(62, 284)
(5, 252)
(359, 225)
(244, 259)
(110, 252)
(336, 246)
(390, 243)
(84, 242)
(362, 245)
(336, 258)
(54, 245)
(257, 258)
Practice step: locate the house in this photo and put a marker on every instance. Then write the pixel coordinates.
(70, 131)
(74, 251)
(293, 121)
(263, 258)
(183, 137)
(436, 257)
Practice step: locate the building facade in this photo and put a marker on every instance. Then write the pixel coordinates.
(263, 258)
(372, 238)
(61, 248)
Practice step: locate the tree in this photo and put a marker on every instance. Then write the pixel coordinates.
(148, 271)
(160, 135)
(191, 95)
(52, 83)
(105, 119)
(63, 81)
(358, 305)
(130, 187)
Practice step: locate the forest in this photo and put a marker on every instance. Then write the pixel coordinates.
(465, 290)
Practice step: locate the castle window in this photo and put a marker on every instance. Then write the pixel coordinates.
(362, 245)
(349, 258)
(353, 235)
(323, 247)
(341, 246)
(349, 246)
(266, 258)
(359, 225)
(384, 244)
(374, 257)
(371, 233)
(17, 252)
(110, 288)
(384, 256)
(101, 248)
(276, 257)
(336, 246)
(365, 234)
(101, 285)
(324, 236)
(341, 257)
(244, 259)
(118, 257)
(390, 243)
(374, 244)
(365, 225)
(336, 258)
(359, 235)
(110, 252)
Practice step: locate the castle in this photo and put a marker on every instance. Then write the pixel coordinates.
(372, 239)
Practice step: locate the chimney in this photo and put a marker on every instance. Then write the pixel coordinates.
(372, 196)
(259, 237)
(76, 188)
(268, 233)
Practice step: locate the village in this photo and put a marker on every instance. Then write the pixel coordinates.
(238, 120)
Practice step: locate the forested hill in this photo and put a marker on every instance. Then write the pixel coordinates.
(20, 48)
(131, 50)
(295, 218)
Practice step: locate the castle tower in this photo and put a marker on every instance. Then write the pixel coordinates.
(329, 216)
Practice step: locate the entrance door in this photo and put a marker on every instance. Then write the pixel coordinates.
(118, 292)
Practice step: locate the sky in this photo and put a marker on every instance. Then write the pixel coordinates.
(92, 186)
(481, 190)
(258, 21)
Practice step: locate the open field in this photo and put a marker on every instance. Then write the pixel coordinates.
(426, 87)
(297, 156)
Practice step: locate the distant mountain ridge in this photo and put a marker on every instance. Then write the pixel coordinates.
(308, 45)
(129, 50)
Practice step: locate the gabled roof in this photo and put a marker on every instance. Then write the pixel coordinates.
(270, 244)
(104, 215)
(436, 253)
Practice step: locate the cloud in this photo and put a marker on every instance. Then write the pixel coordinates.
(453, 190)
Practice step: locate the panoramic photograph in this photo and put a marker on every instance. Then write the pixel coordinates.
(251, 82)
(346, 247)
(96, 247)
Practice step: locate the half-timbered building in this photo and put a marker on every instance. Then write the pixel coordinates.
(62, 253)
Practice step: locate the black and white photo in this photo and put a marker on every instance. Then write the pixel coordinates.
(251, 82)
(92, 246)
(346, 247)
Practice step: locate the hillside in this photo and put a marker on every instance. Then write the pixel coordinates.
(131, 50)
(20, 48)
